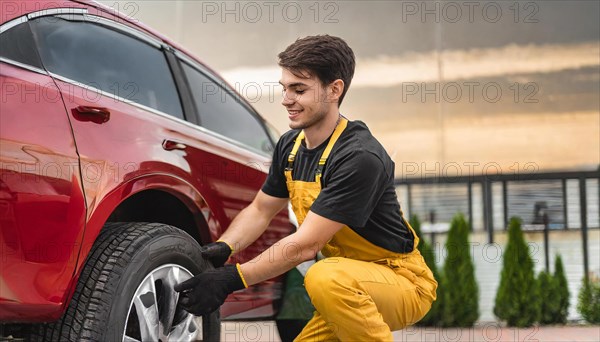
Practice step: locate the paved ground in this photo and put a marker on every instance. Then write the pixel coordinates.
(486, 332)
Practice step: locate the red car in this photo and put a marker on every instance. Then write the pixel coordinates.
(120, 155)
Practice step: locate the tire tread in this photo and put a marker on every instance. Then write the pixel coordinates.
(116, 244)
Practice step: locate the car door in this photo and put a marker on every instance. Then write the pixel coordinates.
(127, 116)
(42, 208)
(120, 95)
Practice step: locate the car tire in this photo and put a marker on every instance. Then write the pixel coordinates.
(132, 267)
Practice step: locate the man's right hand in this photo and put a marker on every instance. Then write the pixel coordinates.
(216, 252)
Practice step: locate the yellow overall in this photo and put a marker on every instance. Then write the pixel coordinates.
(361, 292)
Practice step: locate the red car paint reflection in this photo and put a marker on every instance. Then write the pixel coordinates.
(71, 156)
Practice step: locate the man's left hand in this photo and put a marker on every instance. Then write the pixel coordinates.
(207, 291)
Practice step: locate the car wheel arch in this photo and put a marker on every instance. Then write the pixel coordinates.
(143, 192)
(138, 191)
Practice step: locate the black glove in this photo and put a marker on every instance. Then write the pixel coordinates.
(216, 252)
(207, 291)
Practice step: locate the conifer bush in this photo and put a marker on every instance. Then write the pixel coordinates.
(589, 300)
(517, 300)
(549, 298)
(554, 295)
(461, 292)
(434, 316)
(562, 287)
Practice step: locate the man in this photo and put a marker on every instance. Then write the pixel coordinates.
(340, 182)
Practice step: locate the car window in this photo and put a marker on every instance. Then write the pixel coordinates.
(273, 132)
(220, 111)
(17, 44)
(108, 60)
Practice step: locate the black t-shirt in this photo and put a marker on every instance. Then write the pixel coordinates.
(357, 185)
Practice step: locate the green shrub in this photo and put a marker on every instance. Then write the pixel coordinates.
(549, 298)
(517, 301)
(589, 300)
(434, 316)
(461, 293)
(554, 295)
(562, 288)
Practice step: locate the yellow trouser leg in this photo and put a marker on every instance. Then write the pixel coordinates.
(360, 301)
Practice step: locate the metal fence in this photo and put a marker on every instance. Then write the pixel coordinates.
(544, 201)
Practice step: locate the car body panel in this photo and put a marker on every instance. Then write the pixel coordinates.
(43, 207)
(102, 162)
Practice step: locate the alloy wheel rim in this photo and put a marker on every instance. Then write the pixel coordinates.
(153, 312)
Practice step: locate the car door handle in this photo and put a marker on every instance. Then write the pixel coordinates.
(89, 113)
(170, 145)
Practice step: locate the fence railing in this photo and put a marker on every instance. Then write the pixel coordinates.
(544, 201)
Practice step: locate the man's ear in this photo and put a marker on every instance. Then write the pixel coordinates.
(336, 88)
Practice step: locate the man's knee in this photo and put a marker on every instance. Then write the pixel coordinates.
(326, 277)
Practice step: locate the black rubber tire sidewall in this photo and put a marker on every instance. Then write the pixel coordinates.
(166, 245)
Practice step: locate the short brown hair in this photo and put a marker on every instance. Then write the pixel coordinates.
(327, 57)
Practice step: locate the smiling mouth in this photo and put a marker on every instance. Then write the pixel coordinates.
(294, 112)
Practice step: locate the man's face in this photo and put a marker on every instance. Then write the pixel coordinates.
(304, 98)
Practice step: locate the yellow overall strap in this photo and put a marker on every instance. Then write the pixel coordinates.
(292, 156)
(341, 126)
(297, 143)
(334, 137)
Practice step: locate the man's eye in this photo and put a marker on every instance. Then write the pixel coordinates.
(300, 92)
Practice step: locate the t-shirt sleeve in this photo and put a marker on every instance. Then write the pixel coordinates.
(353, 190)
(275, 184)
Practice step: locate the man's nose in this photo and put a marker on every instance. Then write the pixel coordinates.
(286, 101)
